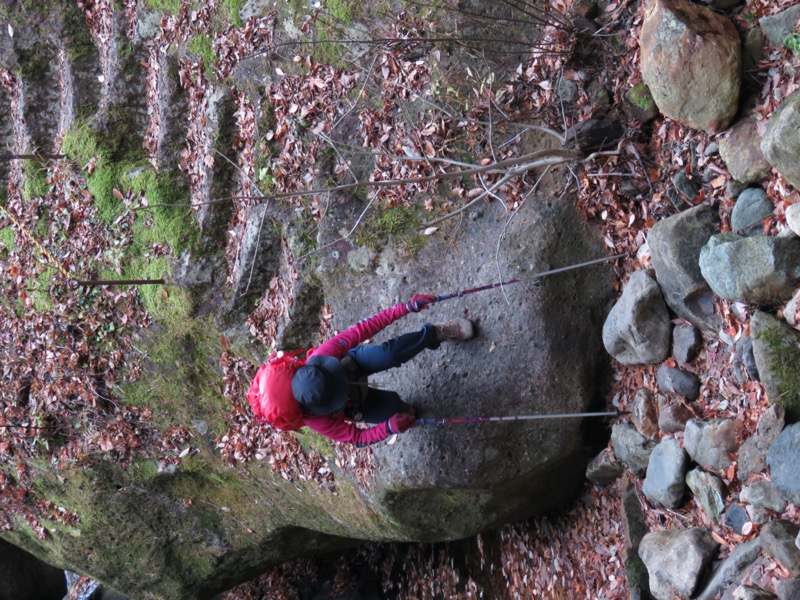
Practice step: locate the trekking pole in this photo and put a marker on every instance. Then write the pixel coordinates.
(490, 286)
(443, 421)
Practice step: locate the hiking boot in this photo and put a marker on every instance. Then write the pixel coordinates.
(456, 330)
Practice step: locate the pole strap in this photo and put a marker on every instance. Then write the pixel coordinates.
(443, 421)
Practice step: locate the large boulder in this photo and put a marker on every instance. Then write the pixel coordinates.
(675, 245)
(781, 144)
(757, 270)
(691, 61)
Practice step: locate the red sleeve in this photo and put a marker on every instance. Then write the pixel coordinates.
(339, 345)
(339, 430)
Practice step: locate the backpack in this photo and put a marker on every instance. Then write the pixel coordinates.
(270, 393)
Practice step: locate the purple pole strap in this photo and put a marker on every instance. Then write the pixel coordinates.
(490, 286)
(442, 421)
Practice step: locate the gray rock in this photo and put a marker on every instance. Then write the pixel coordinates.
(598, 95)
(691, 61)
(672, 380)
(743, 355)
(788, 589)
(777, 539)
(604, 469)
(762, 494)
(793, 217)
(640, 104)
(688, 187)
(756, 270)
(781, 144)
(751, 208)
(711, 442)
(637, 330)
(729, 569)
(783, 458)
(709, 492)
(740, 148)
(644, 414)
(749, 592)
(733, 188)
(594, 134)
(791, 312)
(686, 342)
(676, 560)
(631, 447)
(753, 453)
(673, 417)
(665, 482)
(776, 347)
(675, 245)
(634, 528)
(736, 518)
(779, 26)
(567, 90)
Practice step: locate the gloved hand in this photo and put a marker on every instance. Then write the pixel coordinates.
(419, 301)
(401, 422)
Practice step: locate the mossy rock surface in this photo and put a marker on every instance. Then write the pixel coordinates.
(776, 347)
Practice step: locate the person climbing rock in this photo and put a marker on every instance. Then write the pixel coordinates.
(326, 388)
(332, 386)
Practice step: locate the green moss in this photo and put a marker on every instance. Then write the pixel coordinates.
(35, 184)
(341, 10)
(394, 222)
(233, 9)
(7, 238)
(42, 301)
(784, 359)
(170, 6)
(639, 95)
(201, 45)
(793, 43)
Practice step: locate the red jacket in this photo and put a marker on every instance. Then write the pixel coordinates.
(336, 426)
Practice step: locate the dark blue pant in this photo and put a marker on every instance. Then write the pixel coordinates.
(379, 405)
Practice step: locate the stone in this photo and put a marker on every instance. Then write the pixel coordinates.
(761, 493)
(604, 469)
(634, 528)
(676, 560)
(753, 452)
(777, 539)
(644, 414)
(691, 61)
(594, 134)
(672, 380)
(637, 330)
(781, 144)
(640, 104)
(567, 90)
(686, 342)
(781, 25)
(688, 187)
(709, 492)
(751, 208)
(748, 592)
(788, 589)
(585, 8)
(752, 54)
(793, 217)
(733, 188)
(711, 442)
(665, 483)
(757, 270)
(783, 458)
(776, 347)
(598, 95)
(728, 570)
(736, 518)
(740, 148)
(743, 356)
(675, 245)
(673, 417)
(791, 312)
(631, 447)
